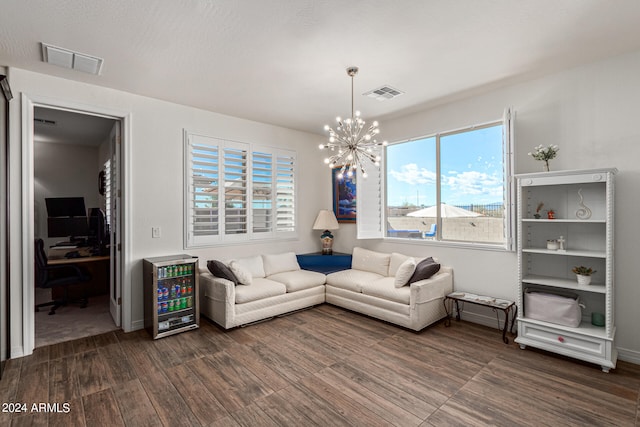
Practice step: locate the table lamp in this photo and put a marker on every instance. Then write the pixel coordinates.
(326, 220)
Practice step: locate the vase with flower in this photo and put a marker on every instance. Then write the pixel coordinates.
(544, 154)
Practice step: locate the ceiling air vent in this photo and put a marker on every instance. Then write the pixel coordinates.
(383, 93)
(69, 59)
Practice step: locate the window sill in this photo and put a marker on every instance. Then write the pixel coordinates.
(449, 244)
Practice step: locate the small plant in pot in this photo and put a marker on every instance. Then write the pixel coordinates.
(583, 274)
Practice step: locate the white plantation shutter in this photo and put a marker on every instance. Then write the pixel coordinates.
(237, 191)
(369, 193)
(203, 187)
(262, 183)
(235, 188)
(509, 188)
(285, 192)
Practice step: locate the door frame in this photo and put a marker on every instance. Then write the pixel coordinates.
(29, 102)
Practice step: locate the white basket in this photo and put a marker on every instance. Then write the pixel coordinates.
(563, 310)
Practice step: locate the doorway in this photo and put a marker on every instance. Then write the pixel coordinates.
(76, 156)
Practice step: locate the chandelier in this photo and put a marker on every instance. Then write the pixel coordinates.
(350, 144)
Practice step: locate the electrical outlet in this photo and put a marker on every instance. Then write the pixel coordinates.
(155, 232)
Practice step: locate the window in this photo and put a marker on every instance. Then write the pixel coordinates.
(237, 191)
(449, 187)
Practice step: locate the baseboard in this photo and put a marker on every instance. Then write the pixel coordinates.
(630, 356)
(17, 351)
(624, 354)
(137, 325)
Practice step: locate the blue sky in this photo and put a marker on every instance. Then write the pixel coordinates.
(471, 168)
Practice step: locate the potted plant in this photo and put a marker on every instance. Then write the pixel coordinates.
(545, 154)
(583, 274)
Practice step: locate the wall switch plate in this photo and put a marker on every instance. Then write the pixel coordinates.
(155, 232)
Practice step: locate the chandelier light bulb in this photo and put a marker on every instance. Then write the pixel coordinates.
(321, 146)
(326, 160)
(364, 174)
(326, 127)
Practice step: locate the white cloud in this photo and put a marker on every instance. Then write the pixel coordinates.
(475, 183)
(413, 175)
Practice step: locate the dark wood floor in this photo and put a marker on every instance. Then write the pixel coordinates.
(324, 366)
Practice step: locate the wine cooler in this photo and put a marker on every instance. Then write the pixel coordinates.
(171, 295)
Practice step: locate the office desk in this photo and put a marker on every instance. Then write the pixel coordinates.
(81, 260)
(97, 266)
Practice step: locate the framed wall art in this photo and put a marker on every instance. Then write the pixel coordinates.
(344, 196)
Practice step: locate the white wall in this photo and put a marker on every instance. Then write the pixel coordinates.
(156, 180)
(591, 112)
(63, 170)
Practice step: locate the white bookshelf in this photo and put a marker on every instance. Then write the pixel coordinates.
(589, 242)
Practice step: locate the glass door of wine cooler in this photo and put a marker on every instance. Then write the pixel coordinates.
(171, 295)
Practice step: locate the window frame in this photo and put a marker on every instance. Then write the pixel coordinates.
(250, 150)
(376, 227)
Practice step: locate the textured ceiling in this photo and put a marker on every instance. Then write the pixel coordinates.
(284, 61)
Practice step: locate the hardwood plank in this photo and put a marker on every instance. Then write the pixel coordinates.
(83, 344)
(251, 416)
(306, 403)
(170, 406)
(75, 416)
(91, 372)
(368, 400)
(63, 382)
(202, 403)
(39, 355)
(251, 360)
(370, 379)
(324, 395)
(33, 386)
(105, 339)
(117, 365)
(100, 407)
(135, 406)
(234, 385)
(283, 411)
(31, 419)
(63, 349)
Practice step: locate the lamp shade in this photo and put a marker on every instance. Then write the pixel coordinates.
(326, 220)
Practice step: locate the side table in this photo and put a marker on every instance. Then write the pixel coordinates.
(324, 263)
(459, 298)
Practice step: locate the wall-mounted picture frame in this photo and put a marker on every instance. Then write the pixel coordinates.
(344, 196)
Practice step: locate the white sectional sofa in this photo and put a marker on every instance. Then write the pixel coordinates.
(371, 287)
(278, 286)
(264, 286)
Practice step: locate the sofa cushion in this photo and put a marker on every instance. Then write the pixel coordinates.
(260, 288)
(242, 274)
(424, 270)
(351, 280)
(254, 264)
(299, 280)
(374, 262)
(274, 264)
(385, 288)
(220, 269)
(404, 272)
(395, 261)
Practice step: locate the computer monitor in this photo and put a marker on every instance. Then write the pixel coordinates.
(65, 207)
(72, 227)
(67, 217)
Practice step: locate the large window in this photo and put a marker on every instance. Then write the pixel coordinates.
(237, 191)
(451, 186)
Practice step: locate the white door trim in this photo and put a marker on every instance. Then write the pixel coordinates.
(29, 102)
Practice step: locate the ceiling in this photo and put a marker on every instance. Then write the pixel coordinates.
(283, 61)
(67, 127)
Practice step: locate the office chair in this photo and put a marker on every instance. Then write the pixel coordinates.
(54, 276)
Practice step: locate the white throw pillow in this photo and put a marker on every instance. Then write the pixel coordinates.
(395, 261)
(242, 274)
(366, 260)
(253, 264)
(404, 273)
(279, 263)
